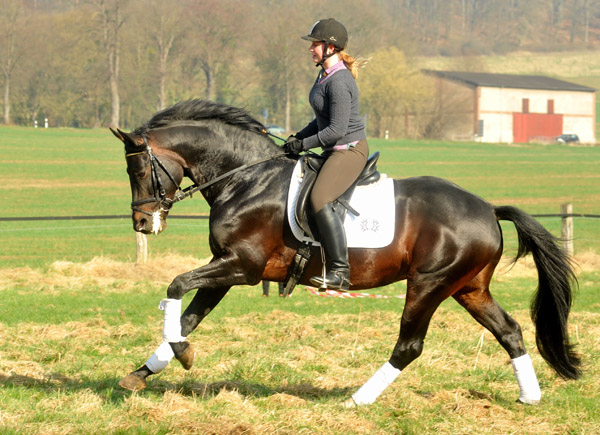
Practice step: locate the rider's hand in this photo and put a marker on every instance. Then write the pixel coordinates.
(293, 146)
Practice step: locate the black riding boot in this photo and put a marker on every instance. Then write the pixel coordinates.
(333, 239)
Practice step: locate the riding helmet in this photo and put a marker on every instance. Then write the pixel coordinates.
(329, 31)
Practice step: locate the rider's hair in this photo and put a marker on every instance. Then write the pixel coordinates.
(353, 64)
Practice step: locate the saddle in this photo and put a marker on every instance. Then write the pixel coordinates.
(311, 165)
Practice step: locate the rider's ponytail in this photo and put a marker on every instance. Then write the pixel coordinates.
(351, 63)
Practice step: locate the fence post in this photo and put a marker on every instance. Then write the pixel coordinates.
(567, 227)
(141, 256)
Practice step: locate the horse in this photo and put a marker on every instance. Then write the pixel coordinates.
(447, 243)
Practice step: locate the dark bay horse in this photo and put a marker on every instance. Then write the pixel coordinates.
(447, 243)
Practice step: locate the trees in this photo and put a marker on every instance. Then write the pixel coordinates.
(161, 24)
(284, 65)
(212, 37)
(12, 24)
(90, 63)
(109, 22)
(395, 97)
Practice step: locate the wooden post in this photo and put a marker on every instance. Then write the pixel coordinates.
(142, 248)
(567, 227)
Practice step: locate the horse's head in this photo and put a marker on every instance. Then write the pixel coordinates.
(154, 176)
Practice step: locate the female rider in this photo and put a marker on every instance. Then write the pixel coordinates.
(338, 129)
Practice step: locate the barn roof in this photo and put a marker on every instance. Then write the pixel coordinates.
(510, 81)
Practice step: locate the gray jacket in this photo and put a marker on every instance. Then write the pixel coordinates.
(337, 118)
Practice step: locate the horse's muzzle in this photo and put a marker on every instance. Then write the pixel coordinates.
(154, 223)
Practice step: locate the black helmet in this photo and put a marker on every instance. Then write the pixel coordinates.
(329, 31)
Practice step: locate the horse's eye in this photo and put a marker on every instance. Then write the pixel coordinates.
(140, 174)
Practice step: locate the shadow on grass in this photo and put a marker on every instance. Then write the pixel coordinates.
(109, 387)
(248, 389)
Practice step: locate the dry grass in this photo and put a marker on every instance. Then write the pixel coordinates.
(276, 371)
(161, 269)
(564, 64)
(588, 261)
(100, 271)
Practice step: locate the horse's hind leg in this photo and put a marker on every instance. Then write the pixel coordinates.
(478, 301)
(202, 304)
(424, 295)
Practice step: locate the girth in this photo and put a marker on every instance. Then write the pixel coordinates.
(311, 164)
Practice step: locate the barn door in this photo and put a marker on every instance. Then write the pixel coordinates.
(529, 126)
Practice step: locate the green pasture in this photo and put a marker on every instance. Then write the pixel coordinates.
(76, 314)
(65, 172)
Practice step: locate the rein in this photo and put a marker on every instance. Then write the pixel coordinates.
(189, 191)
(180, 194)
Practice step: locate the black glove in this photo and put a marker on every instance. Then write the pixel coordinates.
(293, 146)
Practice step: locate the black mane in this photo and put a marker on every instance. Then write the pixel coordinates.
(199, 110)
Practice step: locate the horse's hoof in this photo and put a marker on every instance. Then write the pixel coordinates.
(187, 357)
(532, 402)
(133, 382)
(350, 403)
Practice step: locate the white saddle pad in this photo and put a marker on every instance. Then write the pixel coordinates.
(375, 225)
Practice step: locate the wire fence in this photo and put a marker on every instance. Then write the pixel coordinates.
(128, 216)
(142, 248)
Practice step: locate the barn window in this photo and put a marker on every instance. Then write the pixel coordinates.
(525, 105)
(550, 107)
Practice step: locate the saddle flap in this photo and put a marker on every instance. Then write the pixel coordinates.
(311, 164)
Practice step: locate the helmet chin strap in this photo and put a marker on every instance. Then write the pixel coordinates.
(325, 55)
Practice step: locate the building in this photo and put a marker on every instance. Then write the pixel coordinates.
(513, 108)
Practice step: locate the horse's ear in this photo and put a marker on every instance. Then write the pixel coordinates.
(118, 134)
(126, 138)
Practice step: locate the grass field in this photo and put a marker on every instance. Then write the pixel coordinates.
(76, 315)
(77, 172)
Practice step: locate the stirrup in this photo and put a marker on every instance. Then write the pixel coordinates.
(334, 280)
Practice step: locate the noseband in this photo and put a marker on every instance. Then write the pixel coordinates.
(160, 195)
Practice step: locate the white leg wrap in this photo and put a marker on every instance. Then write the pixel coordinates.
(160, 359)
(368, 393)
(528, 383)
(172, 326)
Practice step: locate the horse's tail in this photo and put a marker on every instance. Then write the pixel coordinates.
(552, 301)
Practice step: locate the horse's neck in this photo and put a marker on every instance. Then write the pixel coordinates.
(210, 153)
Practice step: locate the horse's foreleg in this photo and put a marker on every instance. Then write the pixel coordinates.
(164, 353)
(212, 281)
(202, 304)
(481, 305)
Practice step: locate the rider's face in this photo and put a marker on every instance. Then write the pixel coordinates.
(316, 49)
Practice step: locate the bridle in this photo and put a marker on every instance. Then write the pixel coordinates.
(160, 195)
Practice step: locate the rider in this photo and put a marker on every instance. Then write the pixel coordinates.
(339, 130)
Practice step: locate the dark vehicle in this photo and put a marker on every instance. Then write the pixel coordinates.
(566, 138)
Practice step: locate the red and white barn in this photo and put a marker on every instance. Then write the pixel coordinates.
(513, 108)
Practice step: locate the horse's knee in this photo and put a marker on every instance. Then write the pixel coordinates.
(405, 352)
(176, 289)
